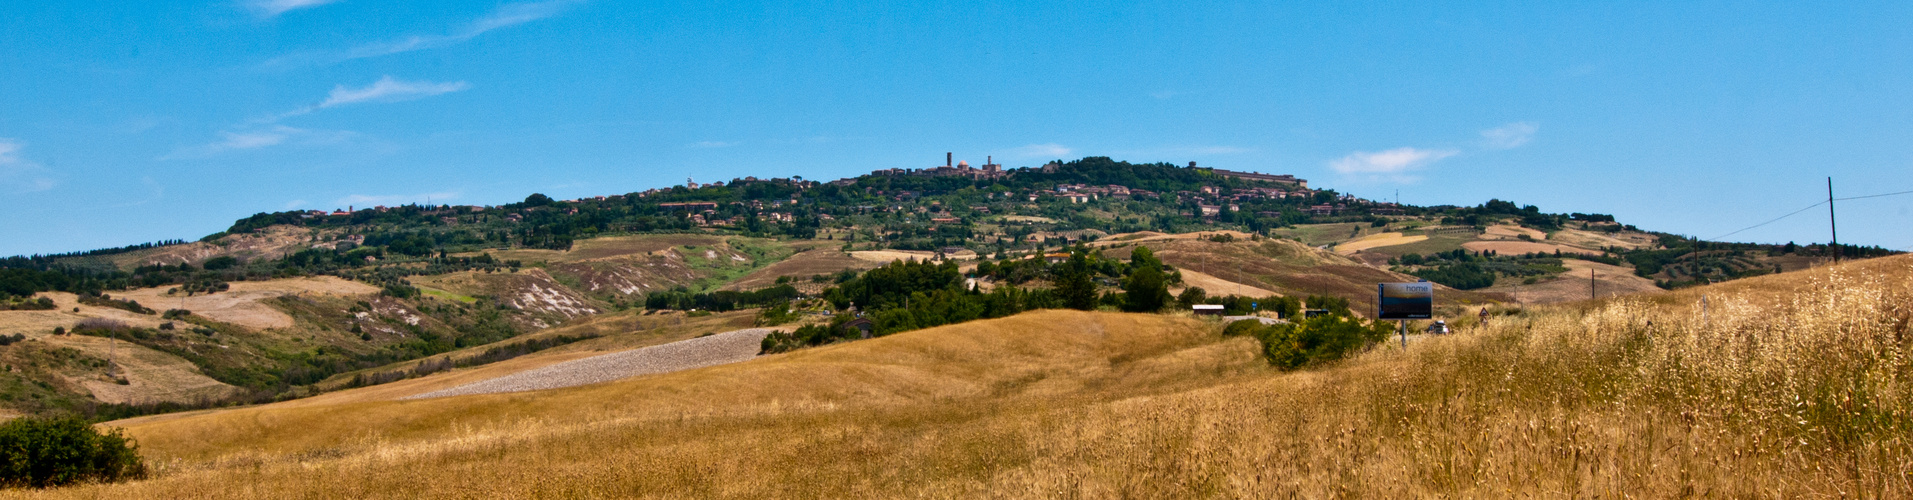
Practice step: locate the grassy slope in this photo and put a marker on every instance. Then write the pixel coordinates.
(1793, 386)
(1283, 266)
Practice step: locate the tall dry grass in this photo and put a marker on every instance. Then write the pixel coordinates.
(1788, 386)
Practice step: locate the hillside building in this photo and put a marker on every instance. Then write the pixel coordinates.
(1255, 176)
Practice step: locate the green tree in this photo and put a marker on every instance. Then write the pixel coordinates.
(1315, 340)
(1074, 284)
(40, 452)
(1192, 296)
(1145, 288)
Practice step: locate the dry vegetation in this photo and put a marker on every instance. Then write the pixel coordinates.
(1282, 266)
(1376, 241)
(801, 266)
(1573, 285)
(1789, 386)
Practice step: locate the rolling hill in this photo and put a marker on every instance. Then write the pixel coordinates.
(1634, 394)
(291, 305)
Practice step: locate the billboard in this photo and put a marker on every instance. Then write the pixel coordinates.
(1407, 300)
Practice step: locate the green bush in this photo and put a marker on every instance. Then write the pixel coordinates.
(776, 313)
(1464, 276)
(42, 452)
(218, 263)
(1315, 340)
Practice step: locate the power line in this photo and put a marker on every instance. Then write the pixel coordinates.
(1775, 219)
(1874, 196)
(1809, 207)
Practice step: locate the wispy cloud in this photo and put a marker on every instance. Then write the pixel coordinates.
(504, 16)
(1392, 165)
(710, 144)
(1046, 151)
(18, 174)
(390, 90)
(387, 89)
(362, 200)
(273, 8)
(261, 138)
(294, 204)
(266, 132)
(1509, 136)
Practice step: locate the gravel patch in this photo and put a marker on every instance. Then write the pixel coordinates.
(722, 348)
(1265, 321)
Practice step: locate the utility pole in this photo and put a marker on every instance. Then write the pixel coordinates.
(1833, 223)
(1591, 283)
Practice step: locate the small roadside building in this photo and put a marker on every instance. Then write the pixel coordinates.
(862, 326)
(1207, 309)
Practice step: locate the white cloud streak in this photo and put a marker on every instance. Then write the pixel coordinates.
(265, 132)
(504, 16)
(386, 89)
(390, 90)
(1049, 151)
(1391, 165)
(17, 173)
(273, 8)
(1509, 136)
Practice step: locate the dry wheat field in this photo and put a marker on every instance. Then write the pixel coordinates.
(1783, 386)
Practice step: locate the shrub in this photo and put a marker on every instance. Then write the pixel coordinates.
(1315, 340)
(1464, 276)
(39, 304)
(100, 327)
(42, 452)
(218, 263)
(1192, 296)
(776, 313)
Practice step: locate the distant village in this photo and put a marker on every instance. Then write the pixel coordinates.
(1210, 201)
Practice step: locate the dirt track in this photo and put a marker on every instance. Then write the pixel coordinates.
(722, 348)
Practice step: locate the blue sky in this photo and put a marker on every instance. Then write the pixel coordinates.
(127, 122)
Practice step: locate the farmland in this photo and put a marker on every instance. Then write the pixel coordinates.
(1634, 395)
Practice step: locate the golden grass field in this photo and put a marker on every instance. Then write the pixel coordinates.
(1218, 286)
(801, 266)
(241, 306)
(1511, 232)
(881, 257)
(1790, 386)
(1573, 284)
(1376, 241)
